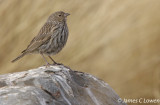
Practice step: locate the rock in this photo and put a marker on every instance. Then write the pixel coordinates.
(55, 85)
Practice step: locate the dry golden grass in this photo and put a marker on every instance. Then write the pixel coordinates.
(116, 40)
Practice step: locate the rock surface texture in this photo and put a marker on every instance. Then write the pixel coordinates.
(55, 85)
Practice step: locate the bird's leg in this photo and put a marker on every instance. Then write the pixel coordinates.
(47, 64)
(52, 60)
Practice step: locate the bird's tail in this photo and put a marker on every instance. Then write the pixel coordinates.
(20, 56)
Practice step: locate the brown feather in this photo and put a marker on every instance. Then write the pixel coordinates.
(44, 34)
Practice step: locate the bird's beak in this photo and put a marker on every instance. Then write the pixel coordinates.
(66, 14)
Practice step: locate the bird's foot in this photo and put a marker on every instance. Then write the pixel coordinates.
(55, 63)
(47, 65)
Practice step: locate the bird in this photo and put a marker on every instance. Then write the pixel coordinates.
(51, 38)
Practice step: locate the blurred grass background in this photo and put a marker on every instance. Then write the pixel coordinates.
(115, 40)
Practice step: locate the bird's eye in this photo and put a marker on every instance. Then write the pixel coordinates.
(59, 15)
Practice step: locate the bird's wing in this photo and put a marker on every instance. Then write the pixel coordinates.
(45, 34)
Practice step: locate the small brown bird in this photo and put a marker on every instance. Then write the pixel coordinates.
(51, 38)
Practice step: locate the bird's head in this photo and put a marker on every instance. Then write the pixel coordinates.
(59, 16)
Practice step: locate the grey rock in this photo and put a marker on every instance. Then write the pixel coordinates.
(55, 85)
